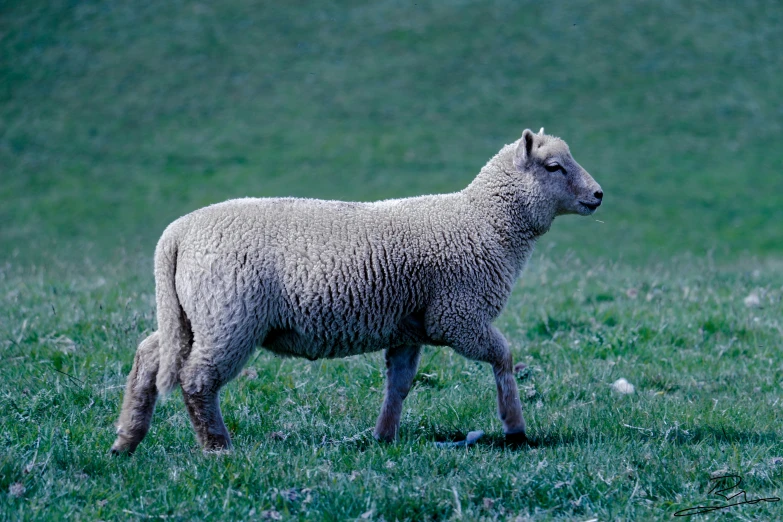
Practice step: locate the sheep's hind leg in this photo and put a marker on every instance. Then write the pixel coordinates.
(201, 385)
(140, 397)
(401, 364)
(490, 346)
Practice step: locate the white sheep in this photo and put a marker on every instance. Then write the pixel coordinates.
(313, 278)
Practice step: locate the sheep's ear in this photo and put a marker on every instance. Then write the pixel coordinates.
(541, 132)
(524, 148)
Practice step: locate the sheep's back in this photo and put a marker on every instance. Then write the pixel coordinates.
(338, 273)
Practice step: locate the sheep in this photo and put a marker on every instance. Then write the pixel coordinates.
(325, 279)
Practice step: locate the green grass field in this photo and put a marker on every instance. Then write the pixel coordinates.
(117, 117)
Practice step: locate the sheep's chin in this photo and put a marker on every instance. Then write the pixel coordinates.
(584, 210)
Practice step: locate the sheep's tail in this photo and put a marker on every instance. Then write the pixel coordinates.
(176, 336)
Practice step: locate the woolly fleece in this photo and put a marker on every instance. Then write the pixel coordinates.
(315, 279)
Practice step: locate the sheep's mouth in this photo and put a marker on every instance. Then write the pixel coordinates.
(591, 206)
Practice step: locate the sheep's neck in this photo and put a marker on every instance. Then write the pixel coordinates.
(518, 219)
(514, 230)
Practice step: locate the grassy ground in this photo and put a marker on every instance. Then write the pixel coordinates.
(116, 117)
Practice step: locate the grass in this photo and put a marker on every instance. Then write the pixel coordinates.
(706, 367)
(117, 117)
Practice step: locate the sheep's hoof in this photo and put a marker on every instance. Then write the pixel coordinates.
(122, 447)
(516, 439)
(384, 437)
(217, 449)
(216, 444)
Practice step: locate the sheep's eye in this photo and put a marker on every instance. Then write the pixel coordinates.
(554, 167)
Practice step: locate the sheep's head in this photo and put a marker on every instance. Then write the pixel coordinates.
(558, 178)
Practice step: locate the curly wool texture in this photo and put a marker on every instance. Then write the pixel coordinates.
(315, 278)
(312, 278)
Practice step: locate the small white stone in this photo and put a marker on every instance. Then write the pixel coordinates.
(473, 436)
(623, 386)
(752, 300)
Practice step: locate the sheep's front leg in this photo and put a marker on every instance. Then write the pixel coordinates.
(489, 345)
(401, 365)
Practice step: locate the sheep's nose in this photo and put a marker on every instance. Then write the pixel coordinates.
(599, 194)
